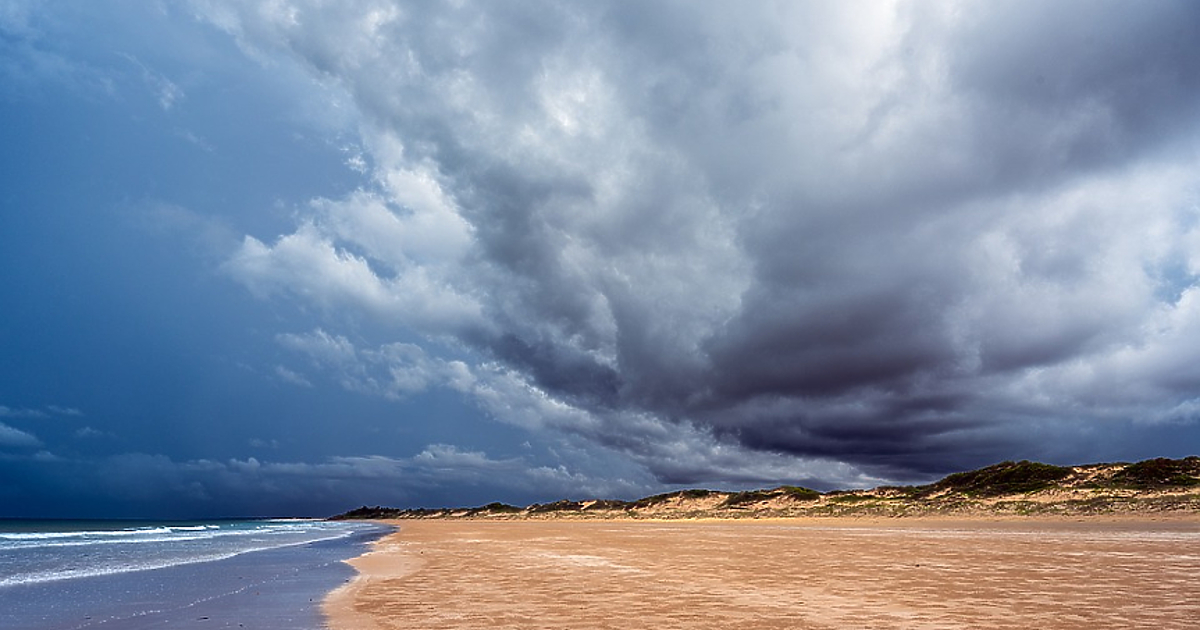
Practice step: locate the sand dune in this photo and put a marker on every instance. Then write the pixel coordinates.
(794, 573)
(1151, 487)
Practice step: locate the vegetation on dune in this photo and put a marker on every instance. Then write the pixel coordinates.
(497, 508)
(849, 497)
(899, 492)
(557, 506)
(1016, 488)
(607, 504)
(748, 497)
(1001, 479)
(800, 493)
(751, 497)
(1159, 473)
(370, 513)
(667, 497)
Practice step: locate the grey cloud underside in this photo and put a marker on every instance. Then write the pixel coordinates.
(892, 237)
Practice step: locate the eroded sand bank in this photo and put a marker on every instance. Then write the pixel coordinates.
(818, 573)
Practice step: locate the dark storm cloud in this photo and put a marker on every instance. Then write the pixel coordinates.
(1097, 82)
(790, 241)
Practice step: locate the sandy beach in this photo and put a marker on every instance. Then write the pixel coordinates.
(794, 573)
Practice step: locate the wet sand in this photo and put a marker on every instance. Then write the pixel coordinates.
(795, 574)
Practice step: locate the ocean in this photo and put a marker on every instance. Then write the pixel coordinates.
(122, 575)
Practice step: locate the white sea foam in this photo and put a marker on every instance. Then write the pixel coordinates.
(36, 577)
(26, 540)
(36, 557)
(129, 567)
(140, 531)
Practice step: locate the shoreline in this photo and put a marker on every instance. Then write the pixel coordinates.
(806, 572)
(379, 562)
(151, 574)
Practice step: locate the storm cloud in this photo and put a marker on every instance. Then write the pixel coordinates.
(825, 241)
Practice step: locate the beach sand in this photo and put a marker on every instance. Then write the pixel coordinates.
(796, 573)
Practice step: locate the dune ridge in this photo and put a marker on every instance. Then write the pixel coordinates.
(1022, 488)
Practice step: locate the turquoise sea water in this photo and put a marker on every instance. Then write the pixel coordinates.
(125, 575)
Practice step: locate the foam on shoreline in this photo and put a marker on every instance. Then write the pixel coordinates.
(269, 581)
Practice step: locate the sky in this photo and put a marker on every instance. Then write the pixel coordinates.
(268, 257)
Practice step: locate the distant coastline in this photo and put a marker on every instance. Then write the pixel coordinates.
(1153, 486)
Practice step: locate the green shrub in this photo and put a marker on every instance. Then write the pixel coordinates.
(1003, 478)
(659, 499)
(495, 508)
(800, 493)
(750, 496)
(365, 512)
(849, 497)
(1159, 473)
(557, 506)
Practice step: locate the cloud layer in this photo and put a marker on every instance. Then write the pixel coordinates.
(806, 241)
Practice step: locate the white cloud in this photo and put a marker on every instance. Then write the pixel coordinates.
(322, 347)
(447, 456)
(9, 412)
(208, 236)
(309, 265)
(165, 90)
(288, 376)
(393, 370)
(47, 412)
(12, 437)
